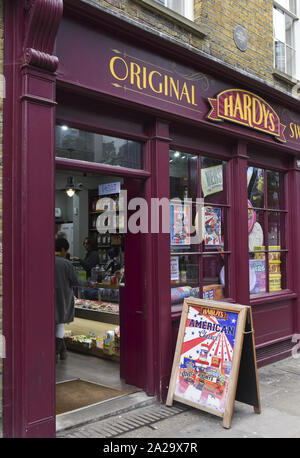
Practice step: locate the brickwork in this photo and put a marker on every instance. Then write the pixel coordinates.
(220, 18)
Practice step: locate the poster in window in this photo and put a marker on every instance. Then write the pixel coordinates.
(180, 224)
(257, 275)
(213, 234)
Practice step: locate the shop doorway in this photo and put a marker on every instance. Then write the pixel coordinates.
(98, 357)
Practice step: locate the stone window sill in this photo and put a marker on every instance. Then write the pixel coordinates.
(285, 77)
(187, 24)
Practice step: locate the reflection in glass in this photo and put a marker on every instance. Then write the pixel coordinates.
(183, 175)
(273, 184)
(290, 60)
(255, 178)
(256, 231)
(91, 147)
(257, 273)
(279, 56)
(274, 220)
(185, 269)
(214, 277)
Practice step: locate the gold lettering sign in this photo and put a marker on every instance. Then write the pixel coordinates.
(295, 131)
(243, 107)
(135, 75)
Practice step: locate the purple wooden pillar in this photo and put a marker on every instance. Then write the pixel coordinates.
(28, 230)
(293, 178)
(158, 300)
(239, 231)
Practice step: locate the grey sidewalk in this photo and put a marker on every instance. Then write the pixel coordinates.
(279, 385)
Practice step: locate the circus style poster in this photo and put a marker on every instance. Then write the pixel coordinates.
(180, 224)
(206, 357)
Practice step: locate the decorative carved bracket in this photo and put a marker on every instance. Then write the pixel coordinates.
(42, 19)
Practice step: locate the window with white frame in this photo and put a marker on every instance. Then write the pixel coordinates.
(285, 21)
(183, 7)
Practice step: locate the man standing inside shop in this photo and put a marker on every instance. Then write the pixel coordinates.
(65, 279)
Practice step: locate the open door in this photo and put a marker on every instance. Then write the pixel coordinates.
(132, 319)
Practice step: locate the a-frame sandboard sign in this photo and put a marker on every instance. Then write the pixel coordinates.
(215, 359)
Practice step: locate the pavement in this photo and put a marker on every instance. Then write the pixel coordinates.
(138, 416)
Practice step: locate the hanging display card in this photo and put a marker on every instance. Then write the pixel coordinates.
(180, 224)
(213, 362)
(174, 266)
(213, 226)
(212, 180)
(109, 188)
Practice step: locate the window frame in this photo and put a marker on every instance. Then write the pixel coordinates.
(295, 45)
(284, 252)
(200, 251)
(199, 28)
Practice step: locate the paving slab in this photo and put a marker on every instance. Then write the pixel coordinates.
(279, 385)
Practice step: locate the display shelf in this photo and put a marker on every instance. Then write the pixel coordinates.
(95, 315)
(79, 348)
(93, 213)
(107, 285)
(81, 326)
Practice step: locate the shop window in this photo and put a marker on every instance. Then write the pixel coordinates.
(199, 206)
(285, 22)
(266, 231)
(102, 149)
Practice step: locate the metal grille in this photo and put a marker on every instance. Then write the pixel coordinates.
(118, 425)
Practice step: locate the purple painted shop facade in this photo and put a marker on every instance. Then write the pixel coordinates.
(88, 69)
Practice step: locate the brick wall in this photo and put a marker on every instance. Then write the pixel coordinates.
(220, 18)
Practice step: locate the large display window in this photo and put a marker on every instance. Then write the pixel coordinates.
(267, 216)
(199, 241)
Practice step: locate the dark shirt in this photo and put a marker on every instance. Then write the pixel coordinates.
(91, 260)
(112, 266)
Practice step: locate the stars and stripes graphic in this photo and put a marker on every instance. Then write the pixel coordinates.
(206, 357)
(199, 335)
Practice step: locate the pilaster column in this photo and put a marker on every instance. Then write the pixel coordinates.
(159, 326)
(29, 391)
(239, 230)
(293, 264)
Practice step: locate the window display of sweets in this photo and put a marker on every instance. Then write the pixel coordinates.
(107, 344)
(97, 306)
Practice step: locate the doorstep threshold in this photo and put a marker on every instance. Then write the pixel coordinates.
(103, 410)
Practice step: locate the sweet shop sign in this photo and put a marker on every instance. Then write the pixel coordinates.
(215, 361)
(247, 109)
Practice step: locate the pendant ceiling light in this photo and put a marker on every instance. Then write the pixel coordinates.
(70, 187)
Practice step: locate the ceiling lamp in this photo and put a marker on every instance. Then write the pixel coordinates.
(70, 187)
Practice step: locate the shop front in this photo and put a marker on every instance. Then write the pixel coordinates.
(114, 104)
